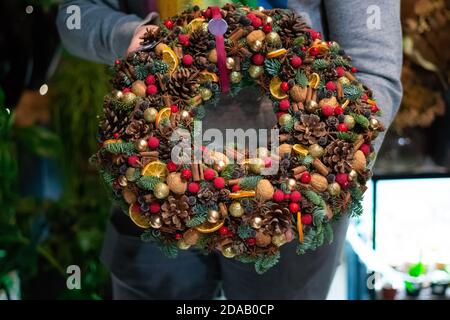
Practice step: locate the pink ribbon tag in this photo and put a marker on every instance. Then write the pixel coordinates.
(217, 26)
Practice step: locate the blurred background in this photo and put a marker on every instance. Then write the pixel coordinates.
(53, 208)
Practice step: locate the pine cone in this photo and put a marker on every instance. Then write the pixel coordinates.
(287, 71)
(208, 196)
(198, 43)
(113, 121)
(165, 151)
(309, 129)
(337, 155)
(291, 26)
(183, 85)
(154, 101)
(175, 211)
(277, 218)
(137, 129)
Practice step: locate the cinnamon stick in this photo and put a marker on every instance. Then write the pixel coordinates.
(223, 209)
(358, 144)
(340, 90)
(202, 177)
(320, 167)
(195, 172)
(298, 170)
(350, 76)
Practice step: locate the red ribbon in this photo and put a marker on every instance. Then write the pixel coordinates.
(221, 54)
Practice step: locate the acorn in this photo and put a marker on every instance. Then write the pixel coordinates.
(263, 239)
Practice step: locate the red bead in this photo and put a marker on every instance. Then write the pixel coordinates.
(267, 28)
(296, 196)
(327, 111)
(330, 86)
(153, 142)
(155, 207)
(305, 178)
(133, 160)
(178, 236)
(152, 89)
(258, 59)
(284, 86)
(296, 61)
(307, 219)
(338, 110)
(186, 174)
(287, 196)
(314, 51)
(171, 166)
(365, 148)
(117, 62)
(294, 207)
(374, 108)
(235, 188)
(126, 90)
(150, 79)
(187, 60)
(340, 71)
(193, 187)
(354, 70)
(168, 24)
(341, 178)
(209, 174)
(250, 241)
(267, 162)
(173, 109)
(278, 196)
(219, 183)
(284, 105)
(223, 231)
(341, 127)
(116, 135)
(256, 22)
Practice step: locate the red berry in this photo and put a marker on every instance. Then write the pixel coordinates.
(330, 86)
(155, 207)
(365, 148)
(296, 61)
(314, 51)
(187, 60)
(287, 196)
(327, 111)
(284, 86)
(186, 174)
(251, 16)
(178, 236)
(168, 24)
(296, 196)
(303, 49)
(374, 108)
(183, 38)
(278, 196)
(258, 59)
(250, 241)
(341, 178)
(235, 188)
(294, 207)
(267, 28)
(207, 13)
(340, 71)
(256, 22)
(209, 174)
(267, 162)
(152, 89)
(223, 231)
(354, 70)
(117, 62)
(219, 183)
(364, 97)
(150, 79)
(305, 178)
(173, 109)
(307, 219)
(133, 160)
(153, 142)
(193, 187)
(126, 90)
(279, 114)
(171, 166)
(341, 127)
(116, 135)
(338, 110)
(314, 34)
(346, 185)
(284, 105)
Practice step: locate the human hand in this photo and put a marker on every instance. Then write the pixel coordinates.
(138, 35)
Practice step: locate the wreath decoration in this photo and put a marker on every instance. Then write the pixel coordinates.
(326, 117)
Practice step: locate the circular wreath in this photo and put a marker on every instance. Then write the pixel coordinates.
(326, 117)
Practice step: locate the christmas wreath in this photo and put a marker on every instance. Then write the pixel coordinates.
(326, 117)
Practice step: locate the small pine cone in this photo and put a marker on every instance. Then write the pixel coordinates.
(183, 84)
(137, 129)
(277, 219)
(337, 155)
(309, 129)
(113, 121)
(287, 71)
(291, 26)
(175, 211)
(198, 43)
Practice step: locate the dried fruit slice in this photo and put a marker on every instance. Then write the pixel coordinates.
(208, 227)
(314, 80)
(109, 141)
(242, 194)
(276, 53)
(155, 169)
(206, 76)
(163, 114)
(299, 149)
(169, 57)
(275, 90)
(136, 216)
(195, 24)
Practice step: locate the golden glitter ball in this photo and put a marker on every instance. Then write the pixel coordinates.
(273, 39)
(235, 77)
(255, 71)
(230, 63)
(257, 165)
(122, 181)
(352, 175)
(130, 174)
(185, 115)
(129, 97)
(315, 150)
(334, 189)
(228, 252)
(349, 121)
(343, 80)
(141, 145)
(374, 124)
(161, 190)
(155, 221)
(236, 209)
(291, 183)
(182, 245)
(219, 165)
(213, 216)
(256, 46)
(279, 239)
(257, 222)
(206, 94)
(150, 114)
(285, 120)
(311, 106)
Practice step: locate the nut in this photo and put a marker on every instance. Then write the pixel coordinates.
(212, 56)
(262, 239)
(319, 182)
(264, 190)
(359, 161)
(253, 36)
(191, 236)
(285, 148)
(328, 102)
(298, 94)
(176, 184)
(129, 196)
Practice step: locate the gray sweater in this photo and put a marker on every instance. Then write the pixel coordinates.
(106, 32)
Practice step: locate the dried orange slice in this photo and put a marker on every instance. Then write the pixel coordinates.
(242, 194)
(164, 113)
(275, 90)
(137, 217)
(299, 149)
(322, 47)
(314, 80)
(276, 53)
(206, 76)
(299, 226)
(169, 57)
(195, 24)
(208, 227)
(155, 169)
(345, 104)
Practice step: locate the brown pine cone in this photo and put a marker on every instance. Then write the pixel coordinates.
(291, 26)
(183, 85)
(113, 121)
(137, 129)
(198, 43)
(154, 101)
(277, 219)
(338, 155)
(287, 71)
(175, 211)
(208, 196)
(309, 129)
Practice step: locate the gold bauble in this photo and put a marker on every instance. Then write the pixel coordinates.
(155, 221)
(261, 9)
(161, 190)
(349, 121)
(139, 88)
(182, 245)
(236, 209)
(130, 174)
(315, 150)
(255, 71)
(256, 46)
(235, 77)
(374, 124)
(311, 106)
(150, 114)
(343, 80)
(334, 189)
(273, 39)
(230, 63)
(257, 222)
(206, 94)
(185, 115)
(352, 175)
(213, 216)
(291, 183)
(257, 165)
(228, 252)
(279, 239)
(219, 165)
(118, 94)
(268, 20)
(128, 97)
(285, 119)
(262, 152)
(122, 181)
(141, 145)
